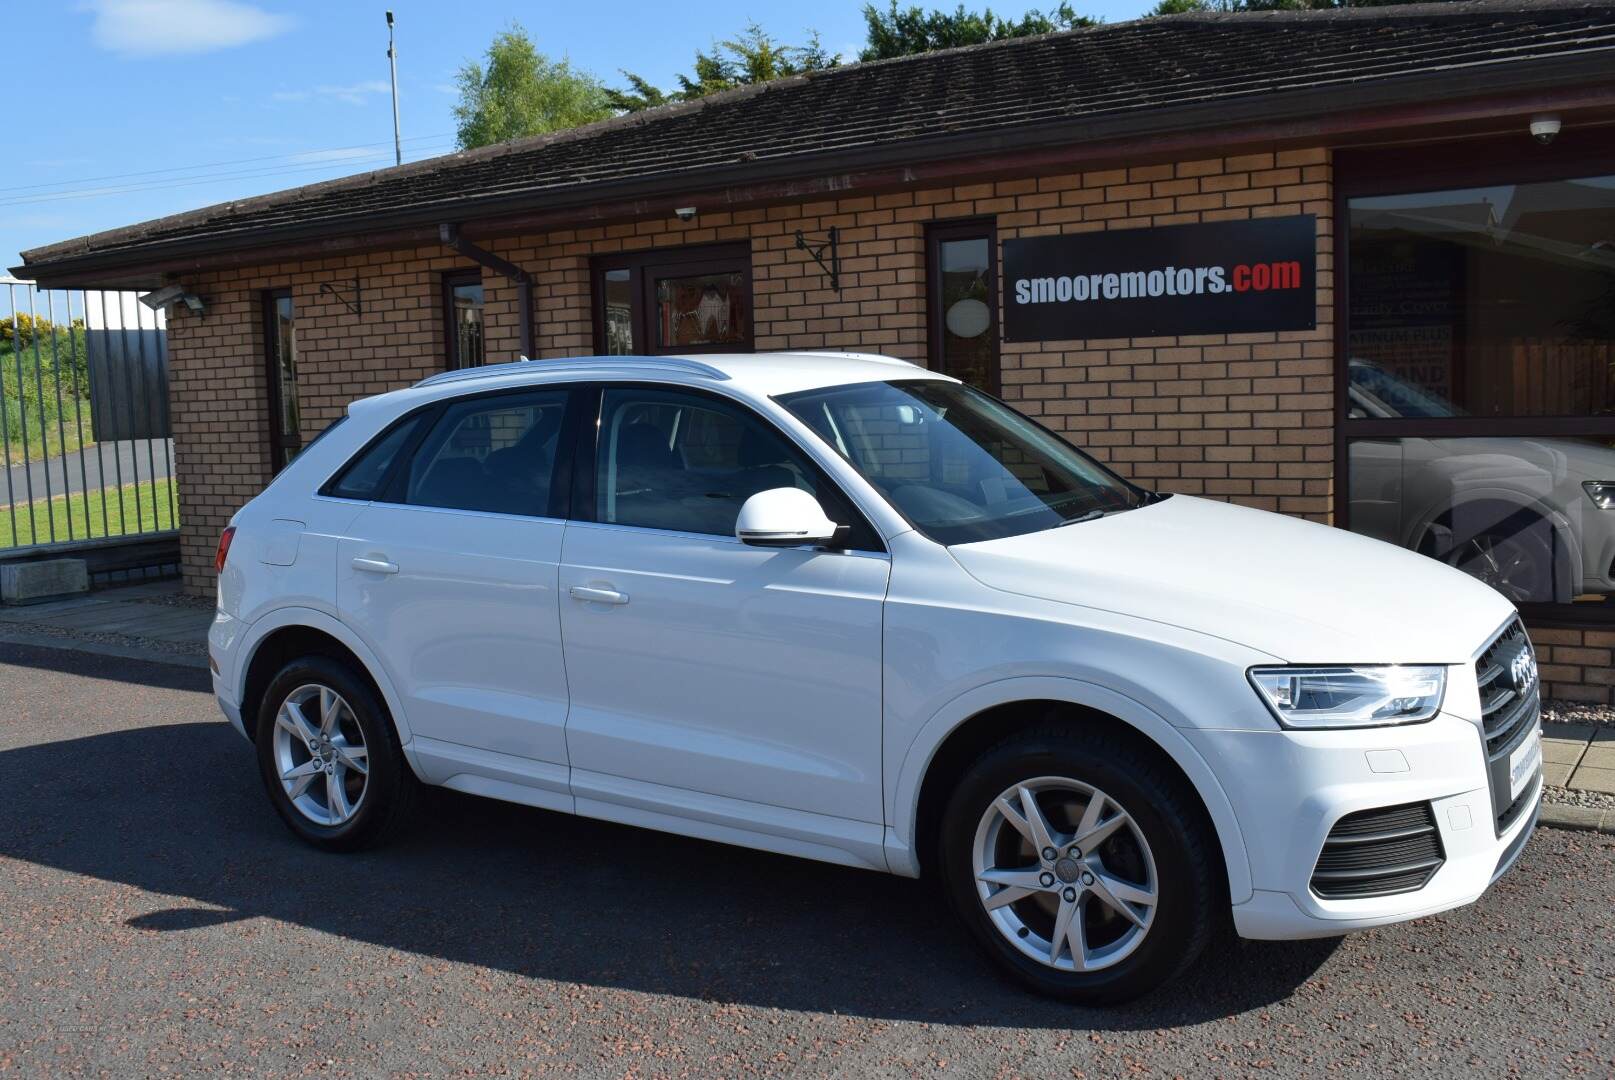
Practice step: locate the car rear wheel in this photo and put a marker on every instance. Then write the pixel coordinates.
(1082, 864)
(329, 758)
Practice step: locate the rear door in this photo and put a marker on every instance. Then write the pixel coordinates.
(451, 578)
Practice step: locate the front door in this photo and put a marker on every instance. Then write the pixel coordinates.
(452, 579)
(698, 664)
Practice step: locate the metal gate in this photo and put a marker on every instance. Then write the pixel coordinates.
(85, 430)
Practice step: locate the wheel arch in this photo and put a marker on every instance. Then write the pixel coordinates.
(1565, 535)
(979, 718)
(291, 632)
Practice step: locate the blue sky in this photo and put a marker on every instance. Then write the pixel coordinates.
(124, 110)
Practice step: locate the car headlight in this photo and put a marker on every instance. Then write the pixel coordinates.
(1349, 697)
(1601, 492)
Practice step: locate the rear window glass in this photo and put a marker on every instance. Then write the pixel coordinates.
(362, 477)
(491, 454)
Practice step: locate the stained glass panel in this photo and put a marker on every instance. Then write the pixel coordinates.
(703, 309)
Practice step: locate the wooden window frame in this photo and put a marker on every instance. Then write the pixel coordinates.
(269, 298)
(1439, 167)
(936, 234)
(452, 279)
(645, 268)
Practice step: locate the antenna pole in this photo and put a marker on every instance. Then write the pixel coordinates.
(392, 61)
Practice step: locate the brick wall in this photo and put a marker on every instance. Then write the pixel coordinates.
(1575, 663)
(1245, 417)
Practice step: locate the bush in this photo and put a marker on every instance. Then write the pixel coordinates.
(41, 389)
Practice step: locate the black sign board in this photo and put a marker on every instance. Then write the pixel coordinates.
(1223, 277)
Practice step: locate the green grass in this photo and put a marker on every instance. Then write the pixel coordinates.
(48, 395)
(135, 514)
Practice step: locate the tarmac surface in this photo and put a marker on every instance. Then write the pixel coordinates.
(156, 918)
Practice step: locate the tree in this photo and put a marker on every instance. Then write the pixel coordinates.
(523, 92)
(907, 31)
(755, 57)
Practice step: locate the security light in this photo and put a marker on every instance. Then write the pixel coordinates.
(162, 298)
(169, 295)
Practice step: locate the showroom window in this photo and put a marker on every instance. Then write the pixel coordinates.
(462, 319)
(962, 298)
(690, 300)
(1476, 382)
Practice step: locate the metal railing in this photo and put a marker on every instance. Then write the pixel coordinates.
(85, 431)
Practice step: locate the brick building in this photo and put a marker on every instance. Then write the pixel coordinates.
(1444, 383)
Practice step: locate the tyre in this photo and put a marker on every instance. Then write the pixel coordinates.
(1515, 558)
(329, 756)
(1082, 863)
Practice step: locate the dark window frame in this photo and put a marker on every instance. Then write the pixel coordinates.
(278, 442)
(936, 234)
(1442, 167)
(862, 537)
(451, 335)
(645, 267)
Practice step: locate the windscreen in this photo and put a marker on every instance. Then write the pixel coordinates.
(959, 465)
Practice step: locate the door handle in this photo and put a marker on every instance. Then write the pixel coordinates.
(597, 596)
(375, 566)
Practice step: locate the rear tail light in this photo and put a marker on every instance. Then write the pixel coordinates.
(228, 535)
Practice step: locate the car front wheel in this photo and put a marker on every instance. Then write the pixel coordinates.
(329, 758)
(1081, 863)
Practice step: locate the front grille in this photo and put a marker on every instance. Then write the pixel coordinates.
(1511, 709)
(1382, 852)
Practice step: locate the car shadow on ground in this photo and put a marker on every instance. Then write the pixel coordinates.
(178, 810)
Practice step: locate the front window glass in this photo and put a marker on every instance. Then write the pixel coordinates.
(494, 454)
(686, 463)
(961, 466)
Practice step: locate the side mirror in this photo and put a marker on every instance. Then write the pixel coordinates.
(783, 517)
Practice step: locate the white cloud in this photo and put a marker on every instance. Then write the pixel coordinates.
(358, 93)
(168, 27)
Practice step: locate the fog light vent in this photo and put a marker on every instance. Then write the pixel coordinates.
(1396, 849)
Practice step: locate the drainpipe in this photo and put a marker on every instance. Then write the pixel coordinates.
(523, 281)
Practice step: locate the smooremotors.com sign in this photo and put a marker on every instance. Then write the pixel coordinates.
(1225, 277)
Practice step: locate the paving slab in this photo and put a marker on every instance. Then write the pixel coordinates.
(1586, 779)
(1599, 755)
(1563, 751)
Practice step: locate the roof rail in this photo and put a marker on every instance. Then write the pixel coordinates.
(581, 365)
(845, 354)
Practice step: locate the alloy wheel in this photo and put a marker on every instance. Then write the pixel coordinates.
(1504, 563)
(1065, 874)
(320, 755)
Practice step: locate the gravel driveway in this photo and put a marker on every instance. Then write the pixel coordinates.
(155, 917)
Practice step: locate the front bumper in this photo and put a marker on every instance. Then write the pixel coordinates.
(1289, 788)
